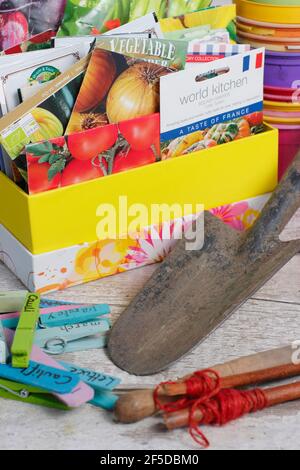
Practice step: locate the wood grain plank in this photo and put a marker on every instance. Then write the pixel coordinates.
(260, 324)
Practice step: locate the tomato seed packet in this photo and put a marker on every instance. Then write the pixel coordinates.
(93, 154)
(129, 88)
(21, 19)
(44, 116)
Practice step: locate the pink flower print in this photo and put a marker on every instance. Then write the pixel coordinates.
(230, 214)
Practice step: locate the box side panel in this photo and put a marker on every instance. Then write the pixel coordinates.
(83, 263)
(17, 258)
(14, 211)
(235, 171)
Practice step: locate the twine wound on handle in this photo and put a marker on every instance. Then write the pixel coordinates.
(209, 404)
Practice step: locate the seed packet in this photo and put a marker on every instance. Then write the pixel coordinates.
(44, 116)
(170, 54)
(129, 88)
(38, 69)
(147, 24)
(212, 104)
(222, 17)
(90, 41)
(201, 33)
(92, 154)
(86, 16)
(37, 42)
(200, 53)
(20, 20)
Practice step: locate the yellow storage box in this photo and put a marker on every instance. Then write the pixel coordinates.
(65, 217)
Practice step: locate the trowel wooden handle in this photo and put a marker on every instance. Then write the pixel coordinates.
(281, 208)
(139, 404)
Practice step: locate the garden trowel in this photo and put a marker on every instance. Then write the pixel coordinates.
(193, 292)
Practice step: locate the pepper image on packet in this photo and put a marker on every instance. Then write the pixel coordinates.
(21, 20)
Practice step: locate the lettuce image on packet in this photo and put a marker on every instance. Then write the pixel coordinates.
(87, 16)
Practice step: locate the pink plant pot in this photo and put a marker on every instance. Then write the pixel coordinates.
(289, 145)
(281, 98)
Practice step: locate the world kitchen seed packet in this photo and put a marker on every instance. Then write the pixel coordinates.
(212, 103)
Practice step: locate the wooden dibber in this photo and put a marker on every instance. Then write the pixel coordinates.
(254, 369)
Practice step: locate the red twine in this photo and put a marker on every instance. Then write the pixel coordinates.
(201, 386)
(218, 407)
(228, 405)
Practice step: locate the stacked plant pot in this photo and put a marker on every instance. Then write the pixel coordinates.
(275, 25)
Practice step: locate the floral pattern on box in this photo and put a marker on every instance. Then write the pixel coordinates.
(90, 261)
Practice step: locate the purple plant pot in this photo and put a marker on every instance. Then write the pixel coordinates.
(282, 69)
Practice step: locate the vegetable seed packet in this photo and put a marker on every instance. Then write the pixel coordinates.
(92, 154)
(200, 53)
(200, 33)
(98, 16)
(129, 89)
(44, 116)
(222, 17)
(170, 54)
(38, 69)
(146, 25)
(212, 104)
(39, 41)
(21, 20)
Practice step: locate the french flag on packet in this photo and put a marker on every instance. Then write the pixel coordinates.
(256, 61)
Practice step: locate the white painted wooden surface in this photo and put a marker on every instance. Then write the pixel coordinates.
(271, 319)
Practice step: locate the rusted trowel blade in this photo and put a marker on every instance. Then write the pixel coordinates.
(193, 292)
